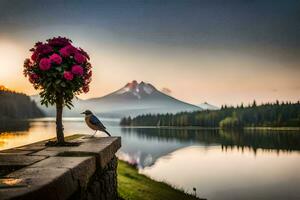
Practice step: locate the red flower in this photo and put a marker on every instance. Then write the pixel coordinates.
(89, 74)
(68, 75)
(84, 53)
(38, 44)
(34, 56)
(59, 41)
(77, 70)
(33, 77)
(55, 58)
(44, 49)
(79, 58)
(45, 64)
(85, 88)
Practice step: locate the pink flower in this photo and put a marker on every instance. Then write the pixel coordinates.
(77, 70)
(64, 52)
(71, 49)
(55, 58)
(68, 51)
(45, 64)
(85, 88)
(68, 75)
(33, 77)
(79, 58)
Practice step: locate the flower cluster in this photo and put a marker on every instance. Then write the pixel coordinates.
(57, 67)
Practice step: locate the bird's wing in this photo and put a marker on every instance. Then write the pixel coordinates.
(95, 121)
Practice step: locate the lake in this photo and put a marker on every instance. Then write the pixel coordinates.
(219, 164)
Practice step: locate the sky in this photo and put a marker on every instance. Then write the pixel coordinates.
(217, 51)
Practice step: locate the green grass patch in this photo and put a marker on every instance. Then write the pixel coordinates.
(132, 186)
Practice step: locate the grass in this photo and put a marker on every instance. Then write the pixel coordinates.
(132, 186)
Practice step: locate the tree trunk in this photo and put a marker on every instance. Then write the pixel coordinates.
(59, 125)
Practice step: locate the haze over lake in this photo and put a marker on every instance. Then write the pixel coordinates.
(219, 164)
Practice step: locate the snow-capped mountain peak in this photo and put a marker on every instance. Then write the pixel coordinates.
(207, 106)
(146, 87)
(137, 89)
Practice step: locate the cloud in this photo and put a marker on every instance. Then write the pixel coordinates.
(166, 90)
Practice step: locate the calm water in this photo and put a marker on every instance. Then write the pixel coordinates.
(219, 164)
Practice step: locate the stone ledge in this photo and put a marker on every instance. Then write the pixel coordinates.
(54, 172)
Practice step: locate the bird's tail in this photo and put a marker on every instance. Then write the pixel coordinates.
(106, 132)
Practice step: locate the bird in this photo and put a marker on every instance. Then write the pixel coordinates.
(94, 123)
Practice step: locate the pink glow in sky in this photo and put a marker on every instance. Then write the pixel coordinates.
(250, 50)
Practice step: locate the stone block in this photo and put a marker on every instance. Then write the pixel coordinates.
(19, 160)
(15, 151)
(103, 148)
(36, 147)
(82, 168)
(47, 153)
(42, 183)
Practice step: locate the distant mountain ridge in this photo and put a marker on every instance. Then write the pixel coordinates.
(131, 100)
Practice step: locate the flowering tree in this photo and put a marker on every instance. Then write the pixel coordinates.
(60, 71)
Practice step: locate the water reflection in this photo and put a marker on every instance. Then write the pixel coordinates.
(252, 139)
(167, 140)
(13, 126)
(25, 132)
(230, 175)
(248, 164)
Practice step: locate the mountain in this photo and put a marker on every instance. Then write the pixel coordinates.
(14, 105)
(207, 106)
(132, 99)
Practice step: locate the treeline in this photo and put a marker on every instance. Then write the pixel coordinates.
(15, 105)
(284, 114)
(227, 138)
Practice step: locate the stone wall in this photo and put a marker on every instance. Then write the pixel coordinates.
(84, 172)
(102, 184)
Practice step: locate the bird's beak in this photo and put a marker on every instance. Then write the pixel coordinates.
(82, 113)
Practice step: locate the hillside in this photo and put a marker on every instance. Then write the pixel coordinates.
(15, 105)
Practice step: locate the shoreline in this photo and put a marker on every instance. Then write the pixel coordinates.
(80, 119)
(133, 185)
(218, 128)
